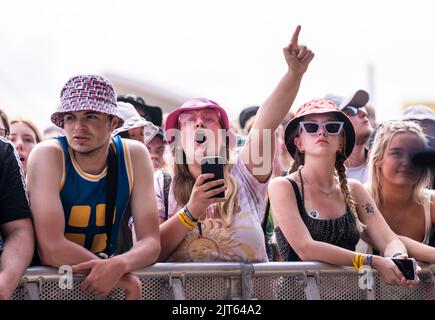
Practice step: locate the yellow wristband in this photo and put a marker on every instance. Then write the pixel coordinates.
(189, 224)
(358, 261)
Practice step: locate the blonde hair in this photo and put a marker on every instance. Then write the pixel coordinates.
(31, 125)
(183, 182)
(340, 173)
(385, 132)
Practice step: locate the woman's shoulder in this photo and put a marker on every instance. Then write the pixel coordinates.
(355, 185)
(282, 181)
(358, 190)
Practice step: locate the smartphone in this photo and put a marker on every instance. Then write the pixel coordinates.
(407, 267)
(215, 165)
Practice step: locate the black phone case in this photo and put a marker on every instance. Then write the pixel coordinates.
(218, 170)
(406, 266)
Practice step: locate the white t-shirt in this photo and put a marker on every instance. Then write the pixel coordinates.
(243, 241)
(359, 173)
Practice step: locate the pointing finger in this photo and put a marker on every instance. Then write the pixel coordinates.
(294, 40)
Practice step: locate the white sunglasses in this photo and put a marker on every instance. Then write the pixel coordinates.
(331, 127)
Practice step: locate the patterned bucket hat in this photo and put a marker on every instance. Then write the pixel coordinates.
(319, 106)
(86, 92)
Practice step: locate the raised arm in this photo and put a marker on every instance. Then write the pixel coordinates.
(259, 148)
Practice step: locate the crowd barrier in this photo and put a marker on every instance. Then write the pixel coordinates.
(235, 281)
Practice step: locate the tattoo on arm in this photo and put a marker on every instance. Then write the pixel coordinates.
(369, 208)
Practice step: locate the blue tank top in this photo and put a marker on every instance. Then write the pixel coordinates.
(83, 198)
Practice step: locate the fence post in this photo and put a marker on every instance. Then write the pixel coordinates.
(311, 288)
(176, 286)
(31, 289)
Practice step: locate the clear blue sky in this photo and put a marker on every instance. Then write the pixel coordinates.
(229, 51)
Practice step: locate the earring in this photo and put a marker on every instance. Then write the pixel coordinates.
(301, 150)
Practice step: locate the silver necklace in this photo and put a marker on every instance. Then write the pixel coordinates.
(327, 194)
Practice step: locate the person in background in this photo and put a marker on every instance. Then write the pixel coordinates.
(320, 214)
(156, 148)
(400, 189)
(150, 113)
(157, 145)
(137, 128)
(354, 108)
(24, 135)
(371, 115)
(425, 117)
(247, 118)
(134, 127)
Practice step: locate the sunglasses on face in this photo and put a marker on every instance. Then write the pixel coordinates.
(330, 127)
(353, 111)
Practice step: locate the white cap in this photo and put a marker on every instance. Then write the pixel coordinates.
(132, 119)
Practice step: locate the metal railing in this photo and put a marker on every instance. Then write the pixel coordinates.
(233, 281)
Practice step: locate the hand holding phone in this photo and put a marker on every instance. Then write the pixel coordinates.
(215, 165)
(407, 267)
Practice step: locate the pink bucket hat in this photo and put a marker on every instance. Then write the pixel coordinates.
(86, 92)
(319, 106)
(198, 104)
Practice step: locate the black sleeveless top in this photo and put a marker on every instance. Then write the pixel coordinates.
(341, 232)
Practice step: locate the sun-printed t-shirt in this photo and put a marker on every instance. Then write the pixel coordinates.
(242, 241)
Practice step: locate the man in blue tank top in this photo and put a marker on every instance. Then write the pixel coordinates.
(80, 185)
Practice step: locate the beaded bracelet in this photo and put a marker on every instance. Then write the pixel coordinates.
(368, 261)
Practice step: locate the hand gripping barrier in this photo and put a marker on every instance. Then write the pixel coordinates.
(233, 281)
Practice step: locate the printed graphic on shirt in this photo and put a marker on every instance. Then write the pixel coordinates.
(218, 243)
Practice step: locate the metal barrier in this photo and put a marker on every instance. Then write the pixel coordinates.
(233, 281)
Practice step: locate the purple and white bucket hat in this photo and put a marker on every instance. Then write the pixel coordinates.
(86, 92)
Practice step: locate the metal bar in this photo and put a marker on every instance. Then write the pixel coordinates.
(177, 288)
(31, 291)
(247, 272)
(311, 289)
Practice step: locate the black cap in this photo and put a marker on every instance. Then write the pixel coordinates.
(151, 113)
(246, 114)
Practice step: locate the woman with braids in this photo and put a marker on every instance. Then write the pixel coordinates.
(196, 225)
(400, 189)
(320, 214)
